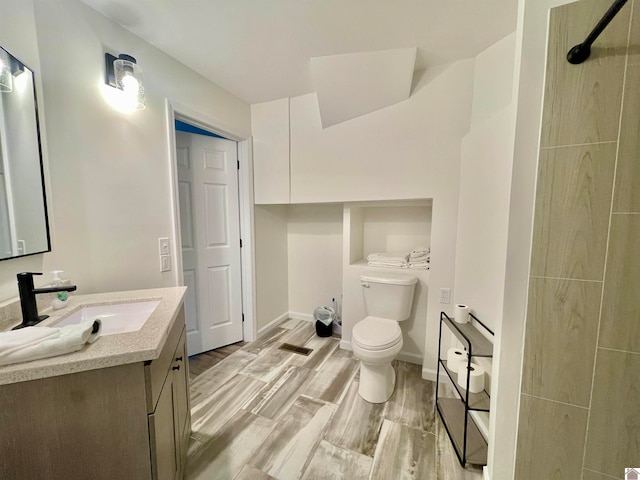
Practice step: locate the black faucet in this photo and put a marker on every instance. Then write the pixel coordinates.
(28, 298)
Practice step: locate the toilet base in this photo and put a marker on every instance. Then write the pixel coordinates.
(377, 382)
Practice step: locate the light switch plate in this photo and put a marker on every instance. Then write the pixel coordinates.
(165, 263)
(163, 245)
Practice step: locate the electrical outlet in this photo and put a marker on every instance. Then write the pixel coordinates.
(445, 295)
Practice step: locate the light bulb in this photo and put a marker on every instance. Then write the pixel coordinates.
(130, 84)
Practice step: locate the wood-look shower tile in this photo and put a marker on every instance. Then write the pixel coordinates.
(224, 453)
(447, 464)
(561, 332)
(582, 102)
(219, 374)
(210, 414)
(404, 453)
(330, 382)
(322, 348)
(627, 190)
(357, 423)
(591, 475)
(572, 208)
(263, 344)
(634, 39)
(252, 473)
(334, 463)
(613, 439)
(551, 439)
(619, 325)
(278, 396)
(287, 451)
(412, 402)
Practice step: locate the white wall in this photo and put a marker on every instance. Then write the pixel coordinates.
(18, 36)
(271, 257)
(485, 180)
(315, 256)
(109, 171)
(408, 150)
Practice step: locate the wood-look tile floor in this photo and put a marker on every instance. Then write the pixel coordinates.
(261, 413)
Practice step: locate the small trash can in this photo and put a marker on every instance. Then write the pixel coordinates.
(324, 317)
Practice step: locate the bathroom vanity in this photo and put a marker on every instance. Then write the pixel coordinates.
(117, 409)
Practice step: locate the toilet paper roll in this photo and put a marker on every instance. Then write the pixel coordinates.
(461, 314)
(456, 357)
(476, 377)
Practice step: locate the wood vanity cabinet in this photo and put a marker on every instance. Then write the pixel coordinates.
(169, 417)
(124, 422)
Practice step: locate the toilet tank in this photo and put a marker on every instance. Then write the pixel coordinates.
(388, 295)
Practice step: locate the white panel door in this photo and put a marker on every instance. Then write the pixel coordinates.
(210, 230)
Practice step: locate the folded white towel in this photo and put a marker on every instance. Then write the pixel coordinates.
(389, 264)
(423, 265)
(420, 250)
(33, 343)
(388, 257)
(420, 258)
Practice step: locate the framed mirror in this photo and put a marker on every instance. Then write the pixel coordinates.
(24, 227)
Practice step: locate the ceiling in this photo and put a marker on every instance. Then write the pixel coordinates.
(260, 50)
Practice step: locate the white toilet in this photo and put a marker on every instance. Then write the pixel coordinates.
(377, 339)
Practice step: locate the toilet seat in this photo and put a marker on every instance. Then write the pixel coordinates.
(374, 334)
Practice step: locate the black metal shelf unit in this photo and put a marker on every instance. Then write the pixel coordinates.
(469, 444)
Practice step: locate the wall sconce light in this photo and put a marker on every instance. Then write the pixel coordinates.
(125, 74)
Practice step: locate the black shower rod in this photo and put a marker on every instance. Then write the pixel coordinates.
(581, 52)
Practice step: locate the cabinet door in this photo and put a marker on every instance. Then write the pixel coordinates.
(270, 131)
(182, 417)
(163, 434)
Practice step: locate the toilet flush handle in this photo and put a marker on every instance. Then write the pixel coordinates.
(366, 285)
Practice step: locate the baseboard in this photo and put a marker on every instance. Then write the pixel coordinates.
(273, 323)
(485, 473)
(414, 358)
(307, 317)
(402, 356)
(429, 374)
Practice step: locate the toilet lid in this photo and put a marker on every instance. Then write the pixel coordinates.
(376, 333)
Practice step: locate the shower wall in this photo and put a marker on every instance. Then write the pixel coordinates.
(581, 375)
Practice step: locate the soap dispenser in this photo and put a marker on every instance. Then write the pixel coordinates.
(61, 299)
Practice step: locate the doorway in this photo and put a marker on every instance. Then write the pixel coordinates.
(211, 216)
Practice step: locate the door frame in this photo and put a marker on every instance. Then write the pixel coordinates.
(178, 111)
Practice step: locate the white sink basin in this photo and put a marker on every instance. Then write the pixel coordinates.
(118, 318)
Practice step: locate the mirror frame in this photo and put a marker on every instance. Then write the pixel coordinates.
(42, 179)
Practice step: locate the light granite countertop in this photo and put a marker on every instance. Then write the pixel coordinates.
(110, 350)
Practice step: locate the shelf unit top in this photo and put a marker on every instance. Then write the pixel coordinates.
(467, 333)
